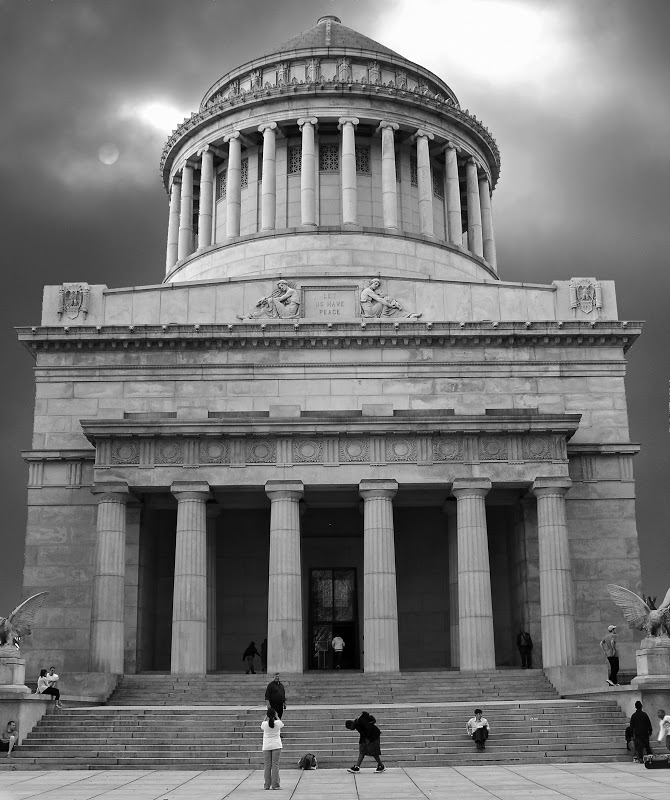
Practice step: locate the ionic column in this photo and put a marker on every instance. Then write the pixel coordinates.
(389, 198)
(173, 225)
(109, 578)
(475, 244)
(233, 184)
(189, 601)
(307, 174)
(424, 180)
(452, 545)
(348, 173)
(185, 245)
(453, 198)
(380, 600)
(212, 512)
(285, 576)
(488, 239)
(269, 188)
(556, 592)
(475, 609)
(206, 208)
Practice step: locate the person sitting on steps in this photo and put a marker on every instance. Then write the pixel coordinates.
(478, 729)
(9, 738)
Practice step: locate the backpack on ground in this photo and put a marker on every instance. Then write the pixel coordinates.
(308, 761)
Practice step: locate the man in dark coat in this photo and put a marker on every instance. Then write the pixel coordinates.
(525, 645)
(641, 727)
(275, 695)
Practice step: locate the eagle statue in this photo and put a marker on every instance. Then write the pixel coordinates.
(638, 615)
(19, 622)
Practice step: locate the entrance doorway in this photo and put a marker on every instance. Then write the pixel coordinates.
(333, 612)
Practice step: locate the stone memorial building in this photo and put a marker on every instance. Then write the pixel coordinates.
(333, 415)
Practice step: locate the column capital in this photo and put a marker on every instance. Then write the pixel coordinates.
(546, 487)
(229, 136)
(187, 165)
(471, 161)
(190, 490)
(449, 146)
(176, 179)
(482, 176)
(342, 121)
(372, 489)
(420, 133)
(284, 490)
(114, 490)
(471, 487)
(307, 121)
(206, 149)
(387, 126)
(267, 126)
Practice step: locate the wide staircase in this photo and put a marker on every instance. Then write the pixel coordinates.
(162, 722)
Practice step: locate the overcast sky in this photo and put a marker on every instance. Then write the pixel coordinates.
(575, 92)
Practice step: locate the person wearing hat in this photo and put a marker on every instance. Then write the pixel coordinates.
(608, 645)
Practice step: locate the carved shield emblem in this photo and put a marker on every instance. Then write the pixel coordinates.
(73, 299)
(586, 297)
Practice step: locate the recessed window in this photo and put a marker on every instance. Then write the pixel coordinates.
(223, 181)
(294, 160)
(438, 183)
(329, 158)
(362, 159)
(413, 172)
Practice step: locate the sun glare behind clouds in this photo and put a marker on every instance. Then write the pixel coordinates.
(157, 114)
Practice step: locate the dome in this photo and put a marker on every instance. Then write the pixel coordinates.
(330, 32)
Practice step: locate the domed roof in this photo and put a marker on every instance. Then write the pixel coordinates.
(330, 32)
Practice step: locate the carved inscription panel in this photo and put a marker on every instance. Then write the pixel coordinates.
(329, 304)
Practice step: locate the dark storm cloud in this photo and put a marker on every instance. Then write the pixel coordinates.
(583, 136)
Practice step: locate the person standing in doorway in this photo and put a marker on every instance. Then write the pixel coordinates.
(641, 729)
(275, 695)
(248, 657)
(525, 645)
(478, 729)
(609, 648)
(338, 646)
(272, 747)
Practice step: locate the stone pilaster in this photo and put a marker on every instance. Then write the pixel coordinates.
(556, 591)
(348, 170)
(453, 197)
(285, 578)
(475, 608)
(173, 225)
(380, 600)
(452, 545)
(206, 207)
(212, 512)
(269, 185)
(389, 192)
(185, 245)
(233, 185)
(475, 244)
(308, 174)
(425, 181)
(109, 578)
(189, 602)
(488, 239)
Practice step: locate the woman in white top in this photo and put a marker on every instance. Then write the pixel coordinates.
(44, 687)
(272, 746)
(664, 727)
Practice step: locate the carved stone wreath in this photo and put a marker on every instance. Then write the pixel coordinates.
(261, 452)
(537, 448)
(307, 451)
(169, 451)
(125, 452)
(354, 450)
(448, 448)
(399, 449)
(214, 452)
(493, 448)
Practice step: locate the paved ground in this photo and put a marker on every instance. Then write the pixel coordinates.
(575, 781)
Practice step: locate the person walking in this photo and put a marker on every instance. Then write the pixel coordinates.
(525, 645)
(248, 657)
(664, 725)
(338, 646)
(9, 738)
(44, 687)
(369, 741)
(272, 747)
(609, 648)
(478, 729)
(275, 695)
(641, 729)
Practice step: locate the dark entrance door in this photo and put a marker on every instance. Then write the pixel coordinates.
(332, 612)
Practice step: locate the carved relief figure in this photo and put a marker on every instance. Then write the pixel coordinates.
(401, 79)
(638, 614)
(282, 74)
(283, 303)
(344, 70)
(375, 305)
(255, 80)
(19, 622)
(585, 294)
(313, 70)
(374, 72)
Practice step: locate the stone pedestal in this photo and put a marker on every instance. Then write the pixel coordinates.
(12, 672)
(653, 664)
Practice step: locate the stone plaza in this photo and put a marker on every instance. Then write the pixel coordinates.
(332, 415)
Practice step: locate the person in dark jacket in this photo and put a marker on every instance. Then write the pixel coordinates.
(525, 645)
(369, 742)
(275, 695)
(248, 658)
(641, 728)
